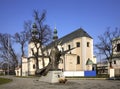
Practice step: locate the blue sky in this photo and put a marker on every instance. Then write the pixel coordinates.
(94, 16)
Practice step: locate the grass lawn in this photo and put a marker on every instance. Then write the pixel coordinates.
(26, 76)
(4, 80)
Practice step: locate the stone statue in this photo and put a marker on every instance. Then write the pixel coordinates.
(54, 59)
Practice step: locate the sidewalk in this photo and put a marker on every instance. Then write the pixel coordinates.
(32, 83)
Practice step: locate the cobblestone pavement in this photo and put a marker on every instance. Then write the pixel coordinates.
(32, 83)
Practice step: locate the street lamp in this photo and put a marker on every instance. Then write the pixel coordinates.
(8, 54)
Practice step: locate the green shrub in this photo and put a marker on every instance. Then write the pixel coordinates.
(102, 76)
(1, 74)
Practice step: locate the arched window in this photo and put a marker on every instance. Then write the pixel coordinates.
(88, 44)
(78, 59)
(69, 47)
(33, 66)
(118, 47)
(114, 61)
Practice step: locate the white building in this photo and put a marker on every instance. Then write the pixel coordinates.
(79, 59)
(116, 54)
(115, 70)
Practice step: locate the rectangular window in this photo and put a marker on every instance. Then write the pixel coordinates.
(78, 44)
(88, 44)
(118, 47)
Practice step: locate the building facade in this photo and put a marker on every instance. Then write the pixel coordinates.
(116, 53)
(80, 58)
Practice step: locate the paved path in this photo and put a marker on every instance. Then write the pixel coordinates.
(32, 83)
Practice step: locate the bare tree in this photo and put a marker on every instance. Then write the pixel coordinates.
(41, 35)
(22, 38)
(105, 44)
(7, 53)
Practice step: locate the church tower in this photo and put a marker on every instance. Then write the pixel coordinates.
(34, 31)
(55, 37)
(33, 39)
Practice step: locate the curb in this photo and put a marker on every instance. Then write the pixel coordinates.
(87, 78)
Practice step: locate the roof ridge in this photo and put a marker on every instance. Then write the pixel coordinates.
(80, 32)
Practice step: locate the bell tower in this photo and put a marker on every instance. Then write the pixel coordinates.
(34, 31)
(34, 38)
(55, 37)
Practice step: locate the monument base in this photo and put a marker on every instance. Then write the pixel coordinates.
(112, 74)
(52, 76)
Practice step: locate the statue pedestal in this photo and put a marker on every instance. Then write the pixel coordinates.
(52, 76)
(112, 73)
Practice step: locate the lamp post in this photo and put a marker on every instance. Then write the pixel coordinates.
(8, 54)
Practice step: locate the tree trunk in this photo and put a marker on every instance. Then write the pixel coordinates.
(37, 64)
(43, 62)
